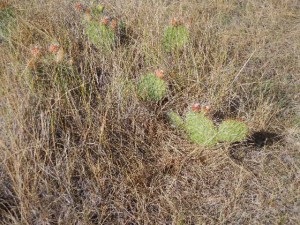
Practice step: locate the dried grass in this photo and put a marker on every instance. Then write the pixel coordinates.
(77, 148)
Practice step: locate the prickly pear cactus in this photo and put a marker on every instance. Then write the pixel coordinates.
(102, 30)
(232, 131)
(201, 129)
(6, 21)
(176, 120)
(175, 37)
(152, 88)
(100, 35)
(97, 10)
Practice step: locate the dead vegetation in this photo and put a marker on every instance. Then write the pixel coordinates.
(79, 147)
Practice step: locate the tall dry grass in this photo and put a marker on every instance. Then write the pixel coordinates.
(78, 147)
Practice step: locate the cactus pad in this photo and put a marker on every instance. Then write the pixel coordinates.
(201, 129)
(176, 120)
(232, 131)
(175, 38)
(97, 10)
(6, 22)
(152, 88)
(100, 35)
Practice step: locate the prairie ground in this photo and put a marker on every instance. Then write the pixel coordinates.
(79, 146)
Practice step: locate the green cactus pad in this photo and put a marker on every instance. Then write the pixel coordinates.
(98, 10)
(176, 120)
(100, 35)
(7, 24)
(175, 38)
(201, 129)
(152, 88)
(232, 131)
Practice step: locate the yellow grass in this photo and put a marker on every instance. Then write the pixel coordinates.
(78, 146)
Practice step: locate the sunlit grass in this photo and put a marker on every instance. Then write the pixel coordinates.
(78, 144)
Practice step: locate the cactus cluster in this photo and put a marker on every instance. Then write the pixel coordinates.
(40, 55)
(100, 29)
(152, 87)
(100, 35)
(105, 33)
(176, 36)
(201, 129)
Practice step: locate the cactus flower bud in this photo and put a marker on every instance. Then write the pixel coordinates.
(87, 15)
(206, 108)
(105, 21)
(196, 107)
(53, 48)
(79, 7)
(113, 24)
(35, 51)
(174, 22)
(159, 73)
